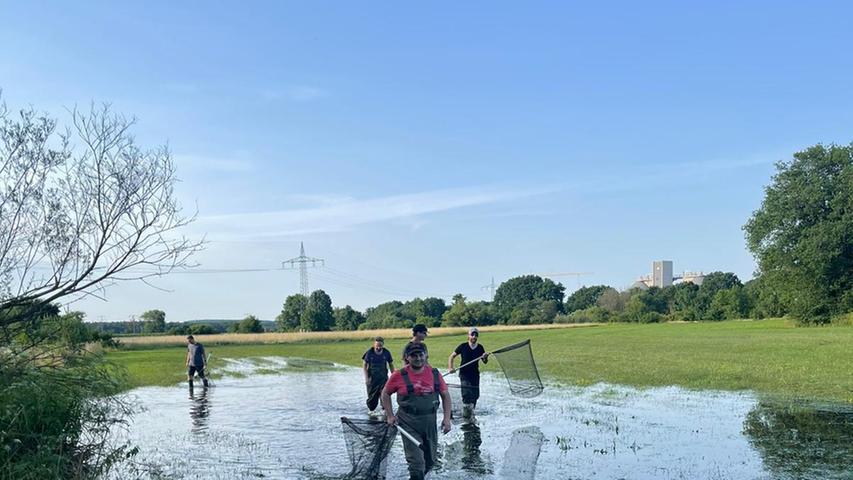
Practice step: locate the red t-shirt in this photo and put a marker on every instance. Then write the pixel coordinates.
(423, 382)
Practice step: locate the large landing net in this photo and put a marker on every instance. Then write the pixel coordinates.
(518, 366)
(368, 443)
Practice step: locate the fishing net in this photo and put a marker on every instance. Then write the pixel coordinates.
(518, 366)
(368, 443)
(455, 401)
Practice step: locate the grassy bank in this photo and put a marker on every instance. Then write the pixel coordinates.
(766, 356)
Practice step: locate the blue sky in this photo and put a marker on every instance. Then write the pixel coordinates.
(423, 149)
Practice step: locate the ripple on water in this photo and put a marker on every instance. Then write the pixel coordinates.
(287, 425)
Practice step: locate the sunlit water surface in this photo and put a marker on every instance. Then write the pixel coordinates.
(287, 425)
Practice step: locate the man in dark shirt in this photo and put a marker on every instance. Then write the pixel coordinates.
(469, 375)
(377, 362)
(196, 360)
(419, 334)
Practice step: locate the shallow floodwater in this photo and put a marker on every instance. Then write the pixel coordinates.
(287, 425)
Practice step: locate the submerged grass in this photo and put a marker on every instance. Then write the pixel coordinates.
(769, 356)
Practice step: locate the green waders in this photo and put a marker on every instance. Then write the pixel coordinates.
(417, 416)
(377, 375)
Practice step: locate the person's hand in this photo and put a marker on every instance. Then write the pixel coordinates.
(452, 371)
(445, 425)
(486, 356)
(391, 419)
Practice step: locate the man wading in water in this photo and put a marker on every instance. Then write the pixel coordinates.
(377, 362)
(419, 334)
(196, 360)
(469, 376)
(418, 387)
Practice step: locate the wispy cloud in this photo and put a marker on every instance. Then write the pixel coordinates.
(348, 213)
(295, 93)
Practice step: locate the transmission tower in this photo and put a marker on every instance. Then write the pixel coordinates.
(491, 288)
(301, 262)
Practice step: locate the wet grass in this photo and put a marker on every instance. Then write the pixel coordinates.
(769, 356)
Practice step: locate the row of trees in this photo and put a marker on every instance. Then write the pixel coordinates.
(529, 299)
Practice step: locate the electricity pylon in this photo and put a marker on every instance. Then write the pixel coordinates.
(491, 288)
(302, 261)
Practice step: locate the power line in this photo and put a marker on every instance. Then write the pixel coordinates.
(301, 262)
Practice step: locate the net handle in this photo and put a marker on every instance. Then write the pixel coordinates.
(409, 436)
(456, 370)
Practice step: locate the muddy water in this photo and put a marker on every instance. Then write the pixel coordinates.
(286, 424)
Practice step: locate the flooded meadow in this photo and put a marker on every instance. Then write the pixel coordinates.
(279, 418)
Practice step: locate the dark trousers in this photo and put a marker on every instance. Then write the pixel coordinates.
(374, 390)
(470, 388)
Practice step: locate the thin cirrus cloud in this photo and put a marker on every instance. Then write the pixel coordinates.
(348, 213)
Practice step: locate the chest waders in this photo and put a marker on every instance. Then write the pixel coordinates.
(417, 415)
(377, 375)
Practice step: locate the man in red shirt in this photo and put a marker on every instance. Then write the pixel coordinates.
(418, 387)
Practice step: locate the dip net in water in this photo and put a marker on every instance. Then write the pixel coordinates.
(368, 443)
(455, 391)
(518, 366)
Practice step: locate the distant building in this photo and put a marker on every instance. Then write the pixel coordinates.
(662, 273)
(693, 277)
(662, 276)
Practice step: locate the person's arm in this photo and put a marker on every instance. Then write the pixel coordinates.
(446, 406)
(385, 399)
(188, 357)
(485, 355)
(450, 362)
(203, 358)
(391, 365)
(365, 369)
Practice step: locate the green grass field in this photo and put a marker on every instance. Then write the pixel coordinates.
(768, 356)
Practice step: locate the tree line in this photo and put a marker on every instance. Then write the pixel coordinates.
(531, 300)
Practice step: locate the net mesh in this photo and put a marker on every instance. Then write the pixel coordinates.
(518, 366)
(368, 443)
(455, 391)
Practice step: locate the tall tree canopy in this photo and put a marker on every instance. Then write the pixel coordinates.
(518, 290)
(802, 235)
(318, 315)
(584, 297)
(291, 313)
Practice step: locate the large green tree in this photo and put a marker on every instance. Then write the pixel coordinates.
(291, 313)
(347, 318)
(318, 315)
(526, 288)
(802, 235)
(154, 321)
(250, 324)
(584, 297)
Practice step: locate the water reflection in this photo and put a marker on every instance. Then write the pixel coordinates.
(472, 459)
(287, 426)
(199, 409)
(801, 441)
(522, 454)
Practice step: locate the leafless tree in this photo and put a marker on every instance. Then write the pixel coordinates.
(82, 208)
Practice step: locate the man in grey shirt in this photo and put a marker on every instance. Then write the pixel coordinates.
(196, 360)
